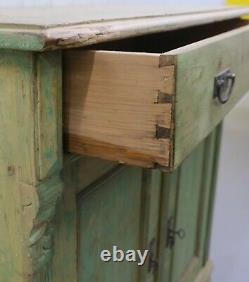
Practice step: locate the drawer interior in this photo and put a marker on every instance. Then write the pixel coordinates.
(166, 41)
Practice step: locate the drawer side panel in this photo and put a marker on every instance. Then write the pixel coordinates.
(118, 106)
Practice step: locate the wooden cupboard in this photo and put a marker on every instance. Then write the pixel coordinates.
(115, 150)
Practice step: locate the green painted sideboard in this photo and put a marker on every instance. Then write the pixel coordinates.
(114, 142)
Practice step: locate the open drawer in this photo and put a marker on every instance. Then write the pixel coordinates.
(150, 100)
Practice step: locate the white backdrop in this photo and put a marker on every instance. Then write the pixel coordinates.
(19, 3)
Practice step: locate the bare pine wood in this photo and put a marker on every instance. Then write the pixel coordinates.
(114, 106)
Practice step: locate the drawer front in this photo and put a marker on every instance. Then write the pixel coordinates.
(150, 109)
(196, 112)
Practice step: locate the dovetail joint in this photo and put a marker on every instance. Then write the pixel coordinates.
(163, 98)
(162, 132)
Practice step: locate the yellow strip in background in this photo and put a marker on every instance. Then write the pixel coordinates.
(239, 2)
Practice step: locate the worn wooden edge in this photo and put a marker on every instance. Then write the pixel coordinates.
(205, 274)
(165, 60)
(41, 38)
(120, 154)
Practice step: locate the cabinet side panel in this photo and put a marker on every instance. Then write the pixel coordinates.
(27, 198)
(17, 164)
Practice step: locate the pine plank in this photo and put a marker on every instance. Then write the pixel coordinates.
(111, 107)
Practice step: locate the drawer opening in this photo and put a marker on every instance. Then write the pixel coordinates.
(167, 41)
(134, 102)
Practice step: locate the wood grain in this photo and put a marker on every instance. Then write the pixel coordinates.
(112, 106)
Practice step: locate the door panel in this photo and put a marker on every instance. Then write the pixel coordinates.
(189, 193)
(169, 185)
(187, 196)
(112, 213)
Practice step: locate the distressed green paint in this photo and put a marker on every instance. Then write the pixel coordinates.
(142, 202)
(21, 41)
(134, 195)
(187, 210)
(101, 228)
(208, 185)
(187, 196)
(196, 112)
(217, 136)
(49, 119)
(168, 210)
(64, 267)
(27, 198)
(17, 161)
(150, 214)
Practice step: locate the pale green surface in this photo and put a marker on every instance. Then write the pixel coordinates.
(30, 182)
(126, 206)
(16, 155)
(196, 112)
(110, 215)
(187, 213)
(168, 209)
(187, 195)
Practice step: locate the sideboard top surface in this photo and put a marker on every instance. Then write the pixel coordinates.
(39, 29)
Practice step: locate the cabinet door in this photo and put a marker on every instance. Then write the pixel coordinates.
(119, 208)
(187, 196)
(104, 205)
(109, 215)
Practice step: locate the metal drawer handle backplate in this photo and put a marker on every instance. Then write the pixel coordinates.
(223, 85)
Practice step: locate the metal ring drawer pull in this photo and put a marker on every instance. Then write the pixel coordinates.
(223, 85)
